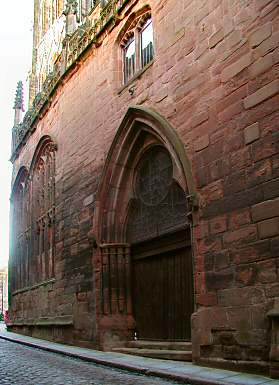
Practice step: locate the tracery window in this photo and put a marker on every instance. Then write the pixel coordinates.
(33, 220)
(159, 204)
(43, 213)
(20, 232)
(137, 46)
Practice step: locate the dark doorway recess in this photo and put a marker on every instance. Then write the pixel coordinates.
(162, 288)
(159, 234)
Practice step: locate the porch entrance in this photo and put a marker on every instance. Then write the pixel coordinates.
(159, 234)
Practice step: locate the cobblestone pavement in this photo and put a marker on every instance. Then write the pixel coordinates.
(22, 365)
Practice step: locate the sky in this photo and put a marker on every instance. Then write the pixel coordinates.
(15, 63)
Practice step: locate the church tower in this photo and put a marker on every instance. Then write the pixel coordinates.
(53, 20)
(48, 34)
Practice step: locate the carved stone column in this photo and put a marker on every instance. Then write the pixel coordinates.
(115, 278)
(116, 323)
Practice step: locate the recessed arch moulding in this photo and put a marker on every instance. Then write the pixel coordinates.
(32, 220)
(29, 164)
(140, 130)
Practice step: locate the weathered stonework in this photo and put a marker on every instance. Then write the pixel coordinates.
(211, 98)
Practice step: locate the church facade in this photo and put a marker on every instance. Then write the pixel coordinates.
(145, 191)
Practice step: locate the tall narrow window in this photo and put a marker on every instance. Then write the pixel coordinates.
(33, 219)
(146, 43)
(43, 190)
(20, 233)
(129, 59)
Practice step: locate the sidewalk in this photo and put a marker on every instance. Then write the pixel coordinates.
(173, 370)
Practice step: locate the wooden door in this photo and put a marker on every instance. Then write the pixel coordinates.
(162, 288)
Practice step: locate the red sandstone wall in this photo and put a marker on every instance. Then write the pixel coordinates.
(215, 78)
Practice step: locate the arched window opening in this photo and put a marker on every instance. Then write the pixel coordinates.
(43, 213)
(33, 219)
(137, 46)
(20, 232)
(159, 205)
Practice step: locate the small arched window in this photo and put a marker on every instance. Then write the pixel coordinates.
(137, 46)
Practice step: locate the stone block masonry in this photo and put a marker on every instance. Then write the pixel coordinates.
(214, 79)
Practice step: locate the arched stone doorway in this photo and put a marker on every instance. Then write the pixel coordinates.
(143, 231)
(159, 234)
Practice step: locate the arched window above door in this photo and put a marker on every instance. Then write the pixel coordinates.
(159, 204)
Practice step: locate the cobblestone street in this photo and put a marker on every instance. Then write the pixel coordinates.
(21, 365)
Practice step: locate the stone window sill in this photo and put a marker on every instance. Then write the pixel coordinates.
(135, 77)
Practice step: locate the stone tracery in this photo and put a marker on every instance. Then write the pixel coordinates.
(33, 217)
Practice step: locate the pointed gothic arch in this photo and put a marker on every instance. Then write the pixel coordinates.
(42, 201)
(145, 137)
(20, 200)
(137, 121)
(44, 142)
(33, 218)
(21, 175)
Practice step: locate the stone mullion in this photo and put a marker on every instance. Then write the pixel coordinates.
(137, 45)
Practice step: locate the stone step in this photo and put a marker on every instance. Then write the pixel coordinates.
(176, 355)
(164, 345)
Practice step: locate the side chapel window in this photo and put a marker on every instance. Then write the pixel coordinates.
(33, 218)
(43, 212)
(137, 46)
(21, 233)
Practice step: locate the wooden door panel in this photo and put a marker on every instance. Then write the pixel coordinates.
(163, 296)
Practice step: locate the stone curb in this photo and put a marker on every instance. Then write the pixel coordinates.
(190, 379)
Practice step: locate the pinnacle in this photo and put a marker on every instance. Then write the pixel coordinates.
(19, 96)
